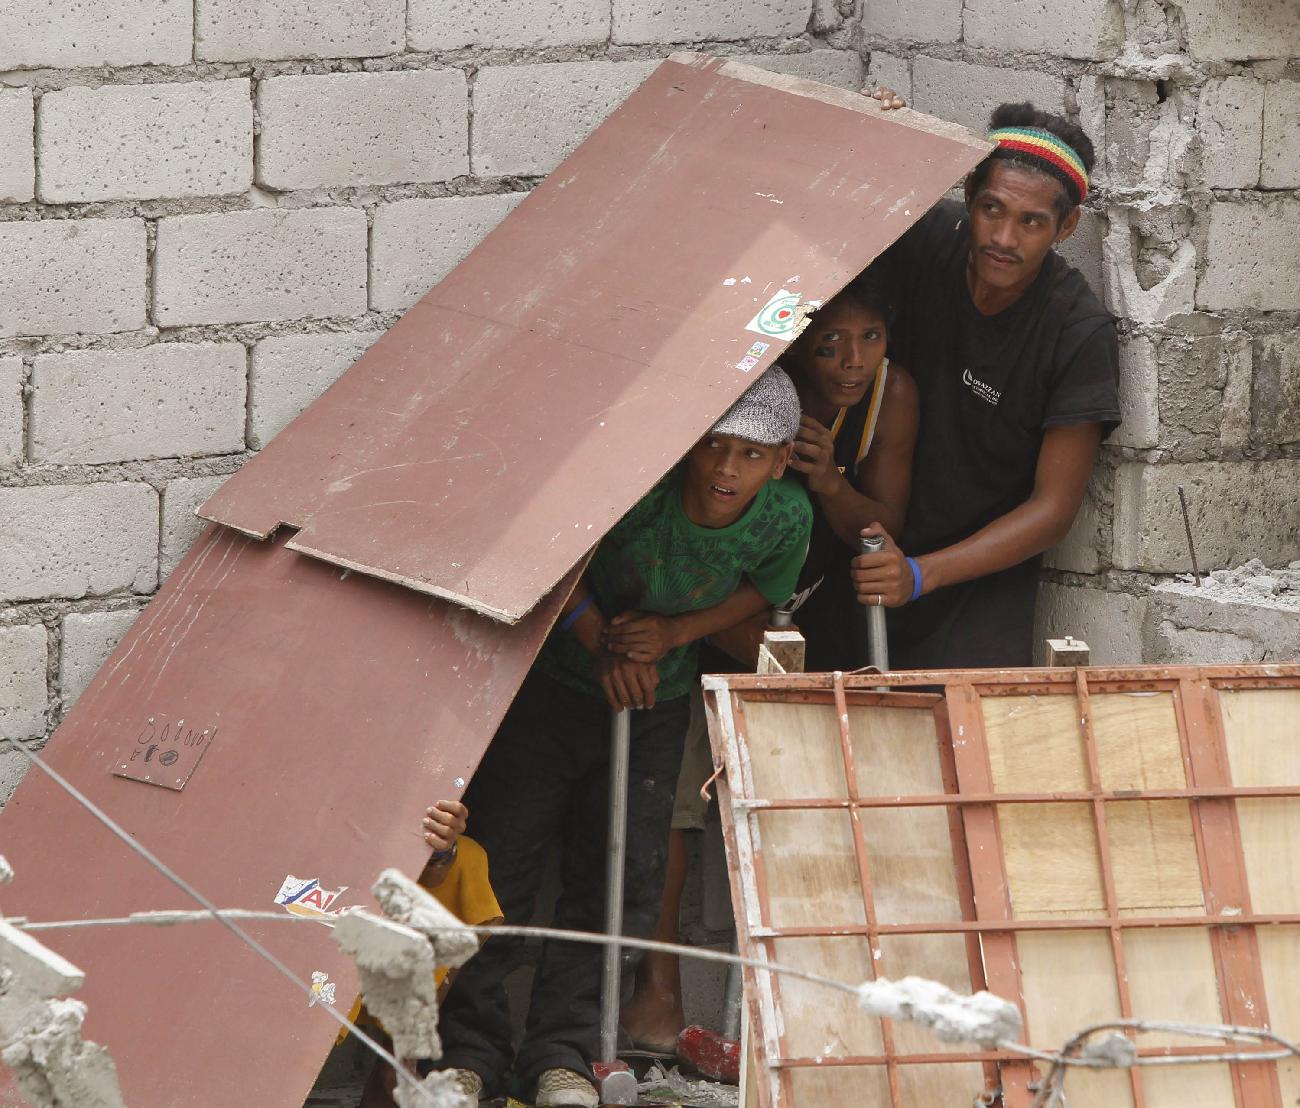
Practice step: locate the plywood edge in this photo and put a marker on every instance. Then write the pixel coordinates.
(840, 98)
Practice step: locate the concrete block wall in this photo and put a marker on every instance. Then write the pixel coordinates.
(210, 208)
(1192, 236)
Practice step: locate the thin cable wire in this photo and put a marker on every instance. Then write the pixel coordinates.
(215, 913)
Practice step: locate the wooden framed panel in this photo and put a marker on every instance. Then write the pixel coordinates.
(1125, 854)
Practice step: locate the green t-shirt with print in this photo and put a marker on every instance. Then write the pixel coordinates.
(656, 560)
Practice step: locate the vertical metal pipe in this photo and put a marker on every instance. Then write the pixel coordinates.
(877, 642)
(620, 746)
(732, 998)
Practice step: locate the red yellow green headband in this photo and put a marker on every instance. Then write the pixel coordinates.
(1047, 147)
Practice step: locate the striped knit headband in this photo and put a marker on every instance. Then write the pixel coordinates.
(1057, 156)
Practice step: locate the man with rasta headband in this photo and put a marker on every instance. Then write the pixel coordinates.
(1017, 366)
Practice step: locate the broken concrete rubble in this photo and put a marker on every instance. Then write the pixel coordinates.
(395, 964)
(406, 902)
(40, 1033)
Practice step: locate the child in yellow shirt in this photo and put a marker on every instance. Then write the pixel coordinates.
(457, 877)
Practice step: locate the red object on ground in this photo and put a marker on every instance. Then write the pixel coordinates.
(713, 1055)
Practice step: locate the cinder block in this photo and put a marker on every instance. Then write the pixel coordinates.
(11, 410)
(529, 118)
(288, 373)
(1280, 167)
(451, 24)
(913, 20)
(1080, 550)
(363, 128)
(135, 142)
(1230, 123)
(22, 681)
(1275, 399)
(233, 30)
(886, 71)
(17, 157)
(1163, 293)
(1252, 256)
(66, 276)
(841, 68)
(69, 541)
(1083, 250)
(1193, 374)
(180, 526)
(169, 400)
(88, 640)
(1041, 27)
(1241, 30)
(683, 21)
(1109, 622)
(260, 265)
(1187, 623)
(1190, 646)
(1238, 511)
(1139, 394)
(414, 244)
(967, 94)
(68, 34)
(13, 767)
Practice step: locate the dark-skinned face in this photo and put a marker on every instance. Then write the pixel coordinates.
(724, 473)
(1013, 226)
(838, 354)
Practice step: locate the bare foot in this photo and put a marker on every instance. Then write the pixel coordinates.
(653, 1020)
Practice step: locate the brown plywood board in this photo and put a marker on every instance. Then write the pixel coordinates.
(343, 707)
(515, 413)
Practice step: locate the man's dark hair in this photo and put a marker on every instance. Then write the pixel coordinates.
(1026, 115)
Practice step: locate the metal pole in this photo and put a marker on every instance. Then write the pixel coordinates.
(620, 745)
(877, 642)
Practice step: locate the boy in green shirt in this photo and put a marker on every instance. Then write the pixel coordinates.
(716, 541)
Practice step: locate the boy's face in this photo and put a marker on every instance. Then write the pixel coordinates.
(724, 474)
(839, 352)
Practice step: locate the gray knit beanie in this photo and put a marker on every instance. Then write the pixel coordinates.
(767, 412)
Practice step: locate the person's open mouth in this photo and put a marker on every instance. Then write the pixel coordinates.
(722, 492)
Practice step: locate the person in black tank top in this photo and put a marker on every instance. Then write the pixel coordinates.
(1017, 367)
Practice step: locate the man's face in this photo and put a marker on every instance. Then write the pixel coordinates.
(839, 352)
(724, 473)
(1014, 224)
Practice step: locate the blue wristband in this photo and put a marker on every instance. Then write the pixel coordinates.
(572, 617)
(915, 567)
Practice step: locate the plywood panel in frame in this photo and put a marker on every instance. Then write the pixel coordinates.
(1262, 730)
(1279, 950)
(1069, 982)
(1166, 966)
(797, 883)
(342, 707)
(516, 412)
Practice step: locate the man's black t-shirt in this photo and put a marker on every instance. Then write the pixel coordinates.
(989, 387)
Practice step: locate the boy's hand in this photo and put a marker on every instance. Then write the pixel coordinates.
(641, 636)
(444, 823)
(814, 456)
(883, 578)
(627, 684)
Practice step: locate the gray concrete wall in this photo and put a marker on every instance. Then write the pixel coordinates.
(208, 208)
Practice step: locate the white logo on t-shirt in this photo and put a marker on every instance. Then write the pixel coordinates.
(987, 393)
